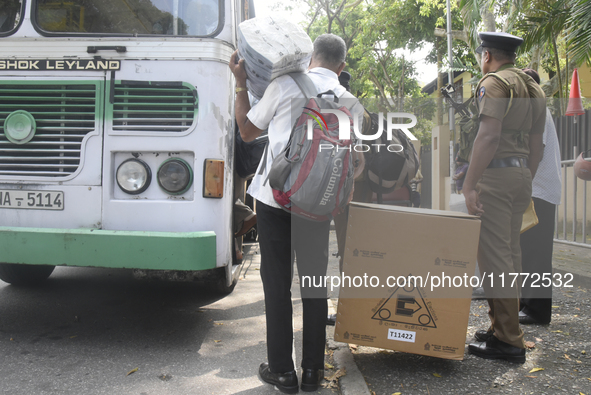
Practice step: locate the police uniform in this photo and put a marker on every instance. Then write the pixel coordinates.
(506, 185)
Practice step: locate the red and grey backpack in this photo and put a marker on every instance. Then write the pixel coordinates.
(313, 176)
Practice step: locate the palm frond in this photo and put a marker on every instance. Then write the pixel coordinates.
(544, 23)
(578, 36)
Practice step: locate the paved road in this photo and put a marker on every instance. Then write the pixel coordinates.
(84, 330)
(561, 352)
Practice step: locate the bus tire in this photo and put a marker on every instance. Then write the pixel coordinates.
(221, 284)
(18, 274)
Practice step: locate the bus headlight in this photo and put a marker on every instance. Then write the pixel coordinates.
(133, 176)
(175, 176)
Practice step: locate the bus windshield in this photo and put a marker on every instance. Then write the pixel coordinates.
(10, 15)
(130, 17)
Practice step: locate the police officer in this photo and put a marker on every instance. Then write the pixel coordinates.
(498, 185)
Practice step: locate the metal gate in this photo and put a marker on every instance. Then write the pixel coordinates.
(572, 223)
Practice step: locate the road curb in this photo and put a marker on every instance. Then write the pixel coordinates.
(353, 382)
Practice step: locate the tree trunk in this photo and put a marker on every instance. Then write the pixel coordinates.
(488, 18)
(535, 58)
(455, 34)
(551, 87)
(556, 60)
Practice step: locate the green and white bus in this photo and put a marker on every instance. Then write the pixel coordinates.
(117, 136)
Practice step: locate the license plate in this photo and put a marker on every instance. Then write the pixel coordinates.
(32, 200)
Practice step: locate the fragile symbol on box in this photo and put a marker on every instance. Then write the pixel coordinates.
(406, 306)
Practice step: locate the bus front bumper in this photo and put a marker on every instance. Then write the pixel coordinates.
(109, 248)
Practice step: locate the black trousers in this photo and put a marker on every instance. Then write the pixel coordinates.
(536, 254)
(281, 237)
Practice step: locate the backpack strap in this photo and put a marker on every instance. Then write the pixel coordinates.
(308, 89)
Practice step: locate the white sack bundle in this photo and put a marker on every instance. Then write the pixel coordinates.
(272, 47)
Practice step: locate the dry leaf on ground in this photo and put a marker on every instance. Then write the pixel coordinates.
(132, 371)
(332, 381)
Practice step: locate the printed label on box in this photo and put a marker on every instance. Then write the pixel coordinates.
(401, 336)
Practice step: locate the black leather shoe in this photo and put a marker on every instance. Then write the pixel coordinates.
(482, 335)
(285, 382)
(526, 319)
(311, 379)
(493, 348)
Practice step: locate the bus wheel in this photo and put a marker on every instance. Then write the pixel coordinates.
(221, 285)
(17, 274)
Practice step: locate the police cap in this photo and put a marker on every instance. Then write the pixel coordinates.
(504, 41)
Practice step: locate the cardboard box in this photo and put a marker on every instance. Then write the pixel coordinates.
(393, 257)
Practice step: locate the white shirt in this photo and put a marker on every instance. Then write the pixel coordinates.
(273, 112)
(546, 185)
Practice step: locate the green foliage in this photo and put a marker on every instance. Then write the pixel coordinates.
(376, 31)
(579, 31)
(543, 23)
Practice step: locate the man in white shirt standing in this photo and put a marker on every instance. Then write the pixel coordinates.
(537, 242)
(281, 234)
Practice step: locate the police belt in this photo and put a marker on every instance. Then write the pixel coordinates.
(511, 161)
